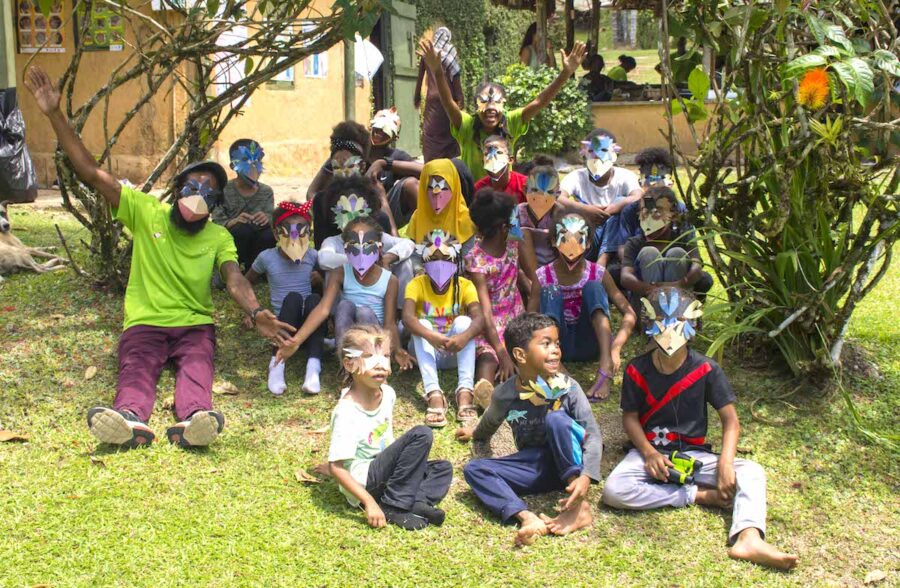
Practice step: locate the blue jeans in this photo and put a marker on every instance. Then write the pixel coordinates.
(498, 482)
(578, 341)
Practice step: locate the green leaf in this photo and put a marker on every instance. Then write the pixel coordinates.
(816, 27)
(857, 77)
(212, 7)
(797, 66)
(248, 66)
(886, 61)
(676, 108)
(698, 83)
(45, 6)
(836, 34)
(827, 51)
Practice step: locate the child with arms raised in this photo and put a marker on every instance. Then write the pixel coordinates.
(291, 271)
(442, 313)
(393, 481)
(576, 292)
(493, 265)
(558, 441)
(367, 292)
(664, 398)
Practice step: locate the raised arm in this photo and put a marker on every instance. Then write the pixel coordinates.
(417, 93)
(570, 65)
(47, 95)
(433, 63)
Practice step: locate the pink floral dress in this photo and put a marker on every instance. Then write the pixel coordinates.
(501, 275)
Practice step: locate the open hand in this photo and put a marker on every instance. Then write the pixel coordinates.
(286, 350)
(615, 355)
(268, 326)
(464, 434)
(427, 52)
(574, 58)
(404, 360)
(577, 489)
(45, 92)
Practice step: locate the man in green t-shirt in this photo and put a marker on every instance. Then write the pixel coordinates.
(168, 303)
(471, 131)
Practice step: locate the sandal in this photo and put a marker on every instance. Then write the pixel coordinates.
(442, 412)
(483, 393)
(463, 408)
(593, 395)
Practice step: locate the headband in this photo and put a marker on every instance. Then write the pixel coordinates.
(346, 145)
(292, 208)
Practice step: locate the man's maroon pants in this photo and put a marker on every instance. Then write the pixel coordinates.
(144, 350)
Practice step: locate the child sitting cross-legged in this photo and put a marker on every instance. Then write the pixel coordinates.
(392, 480)
(367, 292)
(670, 462)
(558, 441)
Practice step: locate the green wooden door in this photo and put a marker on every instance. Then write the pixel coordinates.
(401, 73)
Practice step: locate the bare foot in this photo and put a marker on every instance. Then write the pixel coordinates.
(568, 521)
(712, 497)
(530, 529)
(751, 547)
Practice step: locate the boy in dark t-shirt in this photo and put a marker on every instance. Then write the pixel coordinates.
(558, 441)
(664, 398)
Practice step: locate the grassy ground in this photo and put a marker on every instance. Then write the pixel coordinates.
(75, 514)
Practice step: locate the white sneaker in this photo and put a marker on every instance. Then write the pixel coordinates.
(118, 428)
(276, 378)
(198, 431)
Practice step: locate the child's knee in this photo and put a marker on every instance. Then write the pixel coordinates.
(292, 299)
(461, 323)
(365, 315)
(749, 471)
(648, 254)
(618, 492)
(474, 469)
(426, 323)
(422, 434)
(557, 420)
(676, 253)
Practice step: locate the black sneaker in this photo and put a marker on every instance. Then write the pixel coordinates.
(432, 514)
(404, 519)
(118, 427)
(199, 430)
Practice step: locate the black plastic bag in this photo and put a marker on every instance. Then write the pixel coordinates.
(18, 180)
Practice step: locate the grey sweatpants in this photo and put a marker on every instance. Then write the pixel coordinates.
(630, 487)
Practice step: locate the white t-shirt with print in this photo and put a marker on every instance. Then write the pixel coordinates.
(579, 186)
(358, 436)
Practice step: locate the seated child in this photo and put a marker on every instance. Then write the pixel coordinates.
(558, 441)
(394, 168)
(493, 265)
(500, 175)
(442, 314)
(576, 292)
(664, 397)
(536, 214)
(367, 292)
(246, 207)
(326, 202)
(600, 190)
(392, 480)
(656, 168)
(351, 206)
(441, 205)
(664, 254)
(290, 268)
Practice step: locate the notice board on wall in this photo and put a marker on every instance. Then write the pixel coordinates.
(37, 32)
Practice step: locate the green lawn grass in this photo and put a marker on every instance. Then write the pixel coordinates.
(76, 514)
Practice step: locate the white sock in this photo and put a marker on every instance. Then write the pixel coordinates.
(276, 377)
(311, 381)
(329, 344)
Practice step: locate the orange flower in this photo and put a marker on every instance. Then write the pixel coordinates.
(815, 87)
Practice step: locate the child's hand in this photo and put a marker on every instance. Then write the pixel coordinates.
(574, 58)
(577, 490)
(507, 367)
(375, 516)
(464, 434)
(615, 355)
(455, 344)
(437, 340)
(727, 482)
(46, 92)
(286, 350)
(426, 51)
(404, 360)
(657, 465)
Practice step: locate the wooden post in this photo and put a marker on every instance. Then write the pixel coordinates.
(349, 80)
(595, 25)
(540, 11)
(7, 45)
(570, 25)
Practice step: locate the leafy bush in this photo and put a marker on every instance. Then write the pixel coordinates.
(558, 127)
